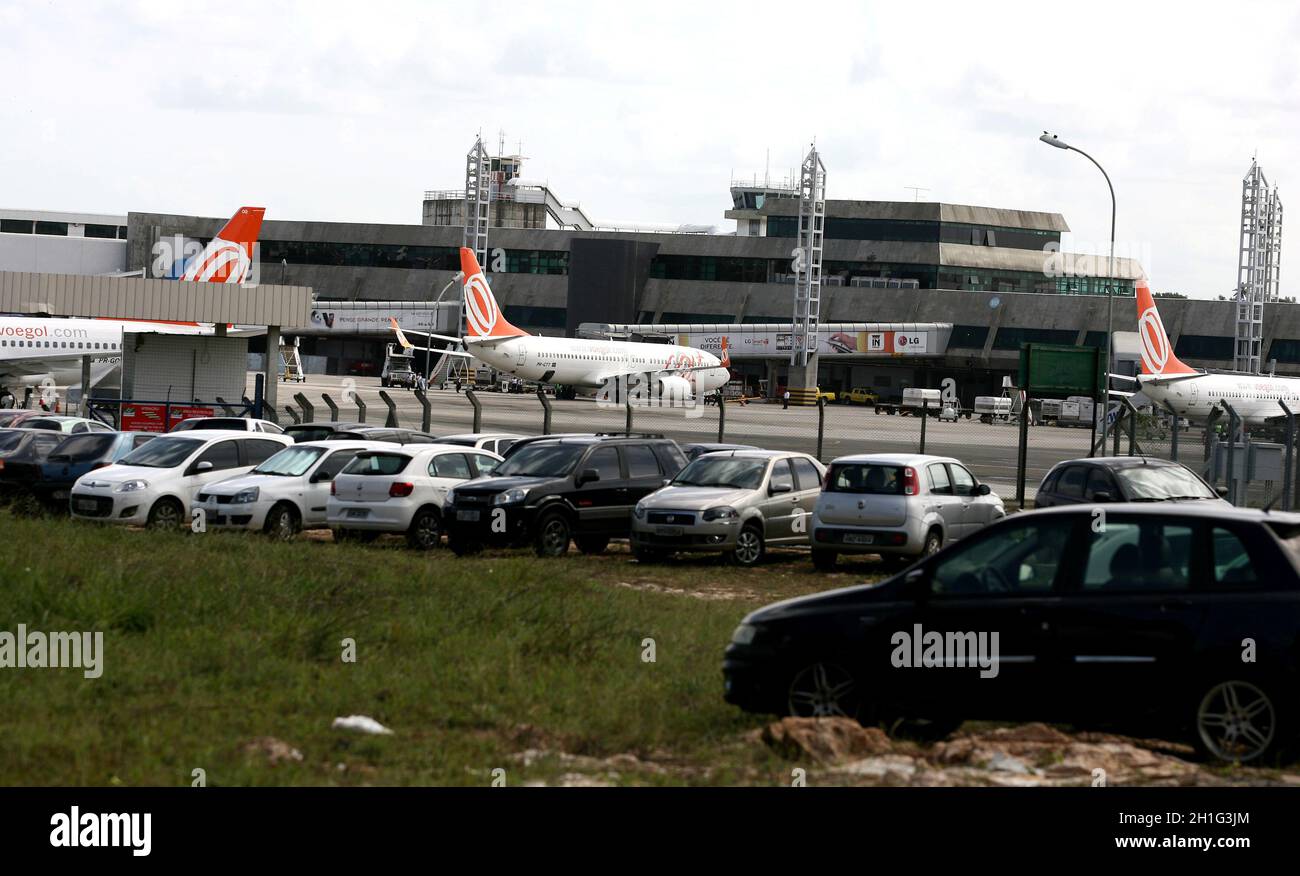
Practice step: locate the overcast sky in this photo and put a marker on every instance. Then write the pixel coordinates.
(348, 111)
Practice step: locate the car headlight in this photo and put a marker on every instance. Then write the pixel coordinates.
(243, 497)
(131, 486)
(726, 514)
(510, 497)
(639, 511)
(451, 498)
(744, 634)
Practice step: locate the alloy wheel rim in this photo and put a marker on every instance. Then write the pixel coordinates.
(555, 538)
(1236, 721)
(284, 524)
(820, 691)
(747, 547)
(166, 517)
(427, 530)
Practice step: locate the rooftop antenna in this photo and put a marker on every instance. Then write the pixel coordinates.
(916, 191)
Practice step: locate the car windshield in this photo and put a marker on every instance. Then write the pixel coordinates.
(163, 452)
(1154, 483)
(80, 448)
(212, 423)
(541, 461)
(291, 462)
(9, 441)
(866, 477)
(309, 433)
(722, 471)
(376, 464)
(458, 442)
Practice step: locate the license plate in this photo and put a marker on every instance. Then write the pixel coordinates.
(85, 504)
(468, 516)
(354, 513)
(668, 530)
(854, 538)
(61, 494)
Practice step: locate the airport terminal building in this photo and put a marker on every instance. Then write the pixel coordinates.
(979, 280)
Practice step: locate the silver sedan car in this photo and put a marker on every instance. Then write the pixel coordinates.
(732, 502)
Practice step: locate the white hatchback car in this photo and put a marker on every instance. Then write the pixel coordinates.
(898, 505)
(402, 489)
(496, 442)
(285, 494)
(228, 424)
(155, 484)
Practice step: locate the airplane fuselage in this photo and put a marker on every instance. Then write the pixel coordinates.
(1254, 397)
(592, 363)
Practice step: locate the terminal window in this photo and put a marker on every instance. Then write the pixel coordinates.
(1204, 347)
(56, 228)
(1285, 350)
(16, 226)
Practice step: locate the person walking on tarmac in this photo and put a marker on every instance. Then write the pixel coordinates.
(785, 400)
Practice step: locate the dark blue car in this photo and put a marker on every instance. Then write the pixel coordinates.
(78, 454)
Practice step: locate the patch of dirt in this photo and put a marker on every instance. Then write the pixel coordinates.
(272, 750)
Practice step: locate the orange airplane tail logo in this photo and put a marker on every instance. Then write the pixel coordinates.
(1157, 353)
(401, 338)
(483, 317)
(229, 257)
(726, 354)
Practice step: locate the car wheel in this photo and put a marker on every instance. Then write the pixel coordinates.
(933, 541)
(749, 546)
(165, 515)
(283, 522)
(823, 690)
(27, 505)
(1236, 721)
(426, 530)
(592, 544)
(553, 533)
(824, 561)
(647, 555)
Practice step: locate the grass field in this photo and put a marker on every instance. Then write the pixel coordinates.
(213, 641)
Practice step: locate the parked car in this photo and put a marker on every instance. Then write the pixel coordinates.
(826, 395)
(496, 442)
(227, 424)
(76, 455)
(862, 396)
(12, 418)
(67, 425)
(402, 489)
(898, 505)
(1137, 626)
(22, 451)
(286, 493)
(155, 485)
(733, 503)
(357, 432)
(1123, 479)
(559, 489)
(693, 451)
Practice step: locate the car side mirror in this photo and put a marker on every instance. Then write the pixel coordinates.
(200, 467)
(776, 489)
(321, 476)
(666, 481)
(1102, 496)
(588, 475)
(983, 490)
(1222, 491)
(916, 582)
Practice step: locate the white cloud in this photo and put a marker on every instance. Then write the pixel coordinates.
(347, 111)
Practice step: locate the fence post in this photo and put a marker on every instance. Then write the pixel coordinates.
(478, 409)
(225, 407)
(627, 405)
(925, 415)
(1173, 448)
(1022, 456)
(308, 409)
(361, 407)
(259, 394)
(292, 413)
(424, 403)
(268, 413)
(821, 424)
(1232, 450)
(546, 411)
(329, 403)
(722, 416)
(391, 421)
(1290, 456)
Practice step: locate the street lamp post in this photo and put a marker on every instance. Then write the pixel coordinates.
(1053, 140)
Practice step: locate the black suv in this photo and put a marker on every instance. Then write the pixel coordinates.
(552, 490)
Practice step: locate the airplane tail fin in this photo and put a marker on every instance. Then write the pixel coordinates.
(401, 338)
(229, 257)
(1157, 353)
(483, 317)
(726, 354)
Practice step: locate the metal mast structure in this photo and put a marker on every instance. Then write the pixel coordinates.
(808, 278)
(478, 204)
(1258, 267)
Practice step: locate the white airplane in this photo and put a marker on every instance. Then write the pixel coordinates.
(1194, 394)
(40, 351)
(663, 370)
